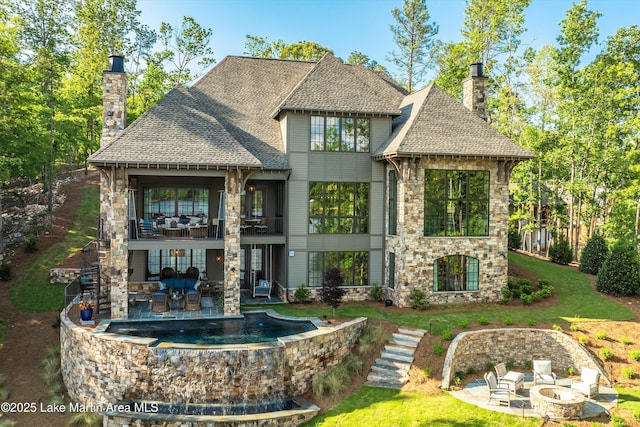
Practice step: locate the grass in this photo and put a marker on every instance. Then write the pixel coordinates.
(33, 292)
(386, 407)
(567, 283)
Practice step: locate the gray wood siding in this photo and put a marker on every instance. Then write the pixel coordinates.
(376, 208)
(298, 136)
(376, 267)
(380, 131)
(298, 209)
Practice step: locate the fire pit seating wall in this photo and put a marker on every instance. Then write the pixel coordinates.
(181, 285)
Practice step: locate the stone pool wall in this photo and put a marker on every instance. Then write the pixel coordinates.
(518, 345)
(101, 368)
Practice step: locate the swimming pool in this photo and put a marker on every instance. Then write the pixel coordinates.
(250, 328)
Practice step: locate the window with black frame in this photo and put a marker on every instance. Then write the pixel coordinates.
(338, 208)
(456, 203)
(455, 273)
(175, 202)
(353, 266)
(348, 134)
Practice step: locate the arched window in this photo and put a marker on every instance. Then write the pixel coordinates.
(455, 273)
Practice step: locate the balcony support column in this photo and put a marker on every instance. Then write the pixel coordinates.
(233, 187)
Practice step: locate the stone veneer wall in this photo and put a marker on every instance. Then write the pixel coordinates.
(100, 368)
(354, 293)
(416, 254)
(63, 275)
(233, 184)
(475, 349)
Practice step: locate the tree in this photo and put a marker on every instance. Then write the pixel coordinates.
(415, 37)
(259, 47)
(331, 292)
(619, 273)
(185, 44)
(362, 59)
(593, 255)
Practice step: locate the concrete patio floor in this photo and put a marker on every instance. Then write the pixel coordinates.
(476, 393)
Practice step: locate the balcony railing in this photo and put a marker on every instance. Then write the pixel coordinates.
(212, 229)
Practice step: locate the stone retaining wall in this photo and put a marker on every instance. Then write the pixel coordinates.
(63, 275)
(475, 349)
(100, 368)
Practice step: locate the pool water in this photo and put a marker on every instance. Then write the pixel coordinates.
(251, 328)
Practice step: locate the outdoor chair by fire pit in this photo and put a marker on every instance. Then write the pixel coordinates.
(512, 380)
(542, 373)
(588, 384)
(502, 395)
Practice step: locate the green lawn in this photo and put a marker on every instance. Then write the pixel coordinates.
(371, 406)
(568, 283)
(33, 292)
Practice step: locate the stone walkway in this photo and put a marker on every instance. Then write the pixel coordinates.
(476, 393)
(391, 369)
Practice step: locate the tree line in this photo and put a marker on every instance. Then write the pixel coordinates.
(579, 117)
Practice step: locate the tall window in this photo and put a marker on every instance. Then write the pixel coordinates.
(175, 202)
(339, 134)
(392, 270)
(252, 203)
(178, 259)
(456, 203)
(455, 273)
(393, 203)
(353, 266)
(338, 207)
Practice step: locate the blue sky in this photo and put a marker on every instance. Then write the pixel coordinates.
(357, 25)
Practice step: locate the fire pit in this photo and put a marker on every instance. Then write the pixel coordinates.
(556, 401)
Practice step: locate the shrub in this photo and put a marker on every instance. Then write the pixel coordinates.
(375, 293)
(528, 365)
(372, 340)
(418, 299)
(507, 320)
(483, 321)
(526, 290)
(574, 327)
(302, 294)
(593, 254)
(471, 370)
(31, 245)
(619, 273)
(560, 252)
(463, 323)
(618, 421)
(526, 299)
(507, 295)
(509, 365)
(629, 373)
(601, 335)
(488, 366)
(524, 282)
(625, 341)
(570, 370)
(635, 355)
(514, 240)
(331, 292)
(557, 328)
(447, 335)
(582, 339)
(5, 271)
(606, 354)
(438, 350)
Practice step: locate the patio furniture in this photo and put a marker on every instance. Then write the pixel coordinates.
(588, 384)
(542, 373)
(192, 273)
(192, 301)
(167, 272)
(512, 380)
(159, 302)
(262, 227)
(148, 229)
(262, 289)
(502, 395)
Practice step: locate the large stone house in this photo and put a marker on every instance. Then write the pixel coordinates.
(278, 170)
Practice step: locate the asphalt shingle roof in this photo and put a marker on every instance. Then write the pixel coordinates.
(434, 123)
(229, 117)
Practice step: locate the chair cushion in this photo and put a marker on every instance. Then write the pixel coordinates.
(590, 376)
(542, 367)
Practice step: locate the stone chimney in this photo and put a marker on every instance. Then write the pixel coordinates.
(474, 90)
(114, 114)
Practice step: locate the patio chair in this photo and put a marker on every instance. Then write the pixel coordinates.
(502, 395)
(512, 380)
(262, 228)
(588, 384)
(192, 272)
(542, 373)
(148, 229)
(262, 289)
(159, 302)
(192, 301)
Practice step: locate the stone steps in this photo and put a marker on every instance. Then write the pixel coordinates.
(391, 369)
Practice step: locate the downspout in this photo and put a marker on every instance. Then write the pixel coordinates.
(285, 226)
